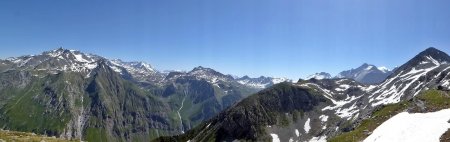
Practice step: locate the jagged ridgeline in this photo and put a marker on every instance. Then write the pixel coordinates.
(78, 96)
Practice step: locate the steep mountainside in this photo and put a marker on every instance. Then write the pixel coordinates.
(334, 106)
(367, 74)
(102, 107)
(429, 69)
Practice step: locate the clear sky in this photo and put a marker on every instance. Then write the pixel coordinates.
(290, 38)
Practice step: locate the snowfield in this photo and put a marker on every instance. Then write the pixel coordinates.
(415, 127)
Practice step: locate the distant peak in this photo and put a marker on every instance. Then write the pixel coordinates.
(60, 49)
(366, 65)
(319, 76)
(383, 68)
(200, 68)
(245, 77)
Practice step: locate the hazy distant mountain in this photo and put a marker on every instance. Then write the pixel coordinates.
(366, 73)
(319, 76)
(261, 82)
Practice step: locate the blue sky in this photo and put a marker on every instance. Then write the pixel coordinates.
(290, 38)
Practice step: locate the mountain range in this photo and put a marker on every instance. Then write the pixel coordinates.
(77, 96)
(338, 109)
(74, 95)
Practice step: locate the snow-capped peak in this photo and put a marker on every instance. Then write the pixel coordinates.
(366, 73)
(137, 69)
(146, 66)
(383, 69)
(55, 53)
(261, 82)
(72, 60)
(319, 76)
(209, 75)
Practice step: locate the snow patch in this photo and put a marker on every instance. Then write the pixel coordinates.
(275, 138)
(253, 84)
(307, 126)
(369, 68)
(279, 80)
(319, 76)
(80, 58)
(383, 69)
(415, 127)
(392, 94)
(318, 139)
(323, 118)
(433, 60)
(342, 87)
